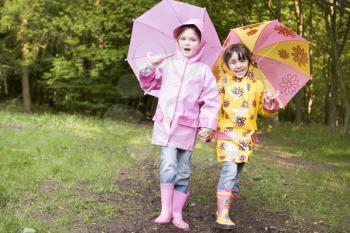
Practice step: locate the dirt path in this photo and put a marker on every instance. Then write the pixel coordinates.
(286, 159)
(143, 204)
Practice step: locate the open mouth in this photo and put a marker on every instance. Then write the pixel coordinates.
(187, 49)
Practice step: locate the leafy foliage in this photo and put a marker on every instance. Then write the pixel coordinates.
(76, 49)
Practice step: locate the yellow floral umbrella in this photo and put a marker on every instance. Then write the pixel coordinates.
(282, 56)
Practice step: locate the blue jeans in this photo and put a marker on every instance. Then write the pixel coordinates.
(175, 168)
(230, 176)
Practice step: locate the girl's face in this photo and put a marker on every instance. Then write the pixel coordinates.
(238, 67)
(188, 42)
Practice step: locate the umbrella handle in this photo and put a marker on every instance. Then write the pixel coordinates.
(152, 58)
(156, 59)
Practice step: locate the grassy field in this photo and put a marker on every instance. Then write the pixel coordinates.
(309, 176)
(45, 160)
(303, 172)
(59, 173)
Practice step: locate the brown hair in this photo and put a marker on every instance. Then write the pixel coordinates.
(242, 51)
(182, 28)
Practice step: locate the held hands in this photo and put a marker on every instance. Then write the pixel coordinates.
(155, 60)
(205, 134)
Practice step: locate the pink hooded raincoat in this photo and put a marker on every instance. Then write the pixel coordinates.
(187, 99)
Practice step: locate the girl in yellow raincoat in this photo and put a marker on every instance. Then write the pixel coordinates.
(242, 98)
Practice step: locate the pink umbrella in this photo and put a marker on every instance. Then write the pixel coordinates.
(152, 33)
(282, 56)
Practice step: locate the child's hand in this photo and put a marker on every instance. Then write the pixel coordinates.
(155, 60)
(269, 98)
(205, 134)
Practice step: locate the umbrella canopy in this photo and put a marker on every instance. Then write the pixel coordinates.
(281, 55)
(152, 33)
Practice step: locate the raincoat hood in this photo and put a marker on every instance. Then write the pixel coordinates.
(198, 54)
(220, 67)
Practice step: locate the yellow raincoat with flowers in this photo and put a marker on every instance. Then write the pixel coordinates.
(241, 102)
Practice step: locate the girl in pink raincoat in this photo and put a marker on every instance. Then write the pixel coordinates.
(188, 100)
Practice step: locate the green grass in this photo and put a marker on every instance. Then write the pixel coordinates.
(320, 190)
(58, 172)
(68, 155)
(316, 192)
(313, 142)
(303, 193)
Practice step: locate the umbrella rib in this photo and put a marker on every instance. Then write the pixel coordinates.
(166, 56)
(257, 39)
(155, 29)
(278, 42)
(267, 52)
(171, 6)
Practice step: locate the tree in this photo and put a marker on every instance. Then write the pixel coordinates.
(337, 22)
(24, 20)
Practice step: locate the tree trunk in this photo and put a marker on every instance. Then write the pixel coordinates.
(300, 30)
(347, 106)
(327, 74)
(310, 86)
(331, 28)
(299, 107)
(338, 39)
(25, 88)
(274, 13)
(332, 108)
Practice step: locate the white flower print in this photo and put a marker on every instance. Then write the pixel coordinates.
(240, 112)
(231, 150)
(236, 92)
(233, 135)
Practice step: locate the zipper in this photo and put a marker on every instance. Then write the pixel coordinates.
(177, 97)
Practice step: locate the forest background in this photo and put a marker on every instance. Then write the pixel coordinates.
(67, 55)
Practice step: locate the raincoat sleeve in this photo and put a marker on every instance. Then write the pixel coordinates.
(265, 110)
(210, 102)
(150, 78)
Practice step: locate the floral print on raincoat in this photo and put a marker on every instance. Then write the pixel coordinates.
(241, 102)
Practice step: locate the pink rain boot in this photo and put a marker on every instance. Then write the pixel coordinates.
(166, 196)
(179, 201)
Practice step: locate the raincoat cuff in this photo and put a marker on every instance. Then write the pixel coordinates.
(273, 108)
(147, 72)
(210, 123)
